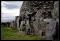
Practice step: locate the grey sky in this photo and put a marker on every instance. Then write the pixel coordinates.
(10, 9)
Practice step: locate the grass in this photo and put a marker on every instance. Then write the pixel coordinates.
(9, 34)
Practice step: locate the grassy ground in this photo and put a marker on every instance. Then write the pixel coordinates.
(9, 34)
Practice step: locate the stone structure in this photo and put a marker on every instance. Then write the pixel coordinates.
(39, 18)
(12, 24)
(17, 22)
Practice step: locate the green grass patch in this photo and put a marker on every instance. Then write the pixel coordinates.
(9, 34)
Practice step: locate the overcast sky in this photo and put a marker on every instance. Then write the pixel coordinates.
(10, 9)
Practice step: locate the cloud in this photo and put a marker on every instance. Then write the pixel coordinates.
(10, 9)
(13, 11)
(12, 4)
(10, 12)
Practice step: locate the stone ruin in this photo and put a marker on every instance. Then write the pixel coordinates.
(12, 24)
(39, 18)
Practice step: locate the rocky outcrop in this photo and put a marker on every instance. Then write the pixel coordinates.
(38, 17)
